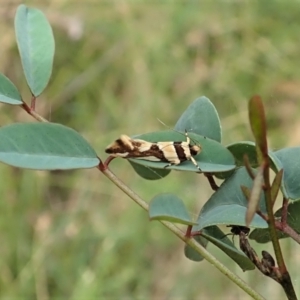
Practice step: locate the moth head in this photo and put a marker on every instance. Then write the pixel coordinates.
(195, 149)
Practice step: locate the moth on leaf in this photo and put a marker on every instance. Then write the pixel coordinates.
(172, 152)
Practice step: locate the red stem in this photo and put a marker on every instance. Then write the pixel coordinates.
(33, 101)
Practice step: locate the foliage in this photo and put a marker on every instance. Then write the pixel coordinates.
(50, 146)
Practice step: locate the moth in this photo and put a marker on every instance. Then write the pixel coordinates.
(172, 153)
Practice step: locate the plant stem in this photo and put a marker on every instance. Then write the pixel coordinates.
(258, 124)
(191, 242)
(271, 218)
(33, 113)
(285, 279)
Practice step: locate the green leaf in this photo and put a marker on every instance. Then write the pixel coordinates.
(254, 198)
(218, 238)
(45, 146)
(248, 148)
(240, 149)
(246, 191)
(36, 46)
(213, 158)
(262, 235)
(293, 219)
(169, 207)
(149, 173)
(275, 163)
(8, 92)
(228, 204)
(290, 163)
(275, 187)
(191, 253)
(201, 117)
(258, 125)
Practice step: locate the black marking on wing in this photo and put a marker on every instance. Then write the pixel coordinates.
(179, 151)
(155, 151)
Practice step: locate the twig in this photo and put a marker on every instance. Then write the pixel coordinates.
(191, 242)
(33, 113)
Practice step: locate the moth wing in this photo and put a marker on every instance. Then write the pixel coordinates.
(169, 152)
(142, 145)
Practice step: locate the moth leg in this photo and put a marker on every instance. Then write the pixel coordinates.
(168, 165)
(173, 162)
(192, 159)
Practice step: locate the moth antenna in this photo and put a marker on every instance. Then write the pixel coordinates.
(186, 131)
(160, 121)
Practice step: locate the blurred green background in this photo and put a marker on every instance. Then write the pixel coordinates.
(120, 65)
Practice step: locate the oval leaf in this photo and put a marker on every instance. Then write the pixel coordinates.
(228, 204)
(149, 173)
(276, 184)
(45, 146)
(213, 157)
(8, 92)
(248, 148)
(240, 149)
(289, 159)
(254, 197)
(169, 207)
(36, 46)
(262, 235)
(220, 240)
(201, 117)
(258, 124)
(191, 253)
